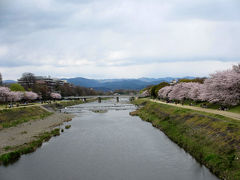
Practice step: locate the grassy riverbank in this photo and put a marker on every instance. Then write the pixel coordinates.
(23, 138)
(15, 116)
(16, 152)
(212, 139)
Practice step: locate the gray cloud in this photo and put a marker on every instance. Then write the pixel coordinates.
(215, 10)
(119, 33)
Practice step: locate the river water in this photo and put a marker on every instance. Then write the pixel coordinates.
(110, 145)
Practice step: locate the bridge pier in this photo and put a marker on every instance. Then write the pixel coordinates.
(117, 99)
(99, 100)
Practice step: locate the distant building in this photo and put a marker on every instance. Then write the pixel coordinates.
(51, 83)
(173, 82)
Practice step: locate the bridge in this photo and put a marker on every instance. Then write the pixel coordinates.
(100, 97)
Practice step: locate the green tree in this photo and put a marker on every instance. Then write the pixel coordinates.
(154, 89)
(198, 80)
(16, 87)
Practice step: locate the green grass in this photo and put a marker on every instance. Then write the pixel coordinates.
(235, 109)
(15, 116)
(67, 126)
(212, 139)
(6, 148)
(13, 156)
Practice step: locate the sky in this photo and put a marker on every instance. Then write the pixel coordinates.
(118, 38)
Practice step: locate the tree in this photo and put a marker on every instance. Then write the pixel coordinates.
(180, 91)
(56, 96)
(16, 87)
(29, 95)
(4, 94)
(145, 93)
(196, 80)
(223, 87)
(163, 93)
(195, 93)
(15, 96)
(27, 80)
(154, 89)
(42, 90)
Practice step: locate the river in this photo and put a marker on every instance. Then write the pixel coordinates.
(110, 145)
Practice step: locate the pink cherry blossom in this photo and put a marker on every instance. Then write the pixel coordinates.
(223, 87)
(4, 93)
(56, 96)
(163, 92)
(145, 93)
(29, 95)
(15, 96)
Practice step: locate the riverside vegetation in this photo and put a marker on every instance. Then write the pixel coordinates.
(212, 139)
(15, 116)
(14, 155)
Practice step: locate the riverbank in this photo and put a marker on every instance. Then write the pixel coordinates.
(25, 129)
(15, 116)
(233, 115)
(212, 139)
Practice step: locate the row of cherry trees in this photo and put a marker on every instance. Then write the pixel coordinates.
(7, 95)
(222, 87)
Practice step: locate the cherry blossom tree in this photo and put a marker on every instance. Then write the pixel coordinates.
(223, 87)
(195, 91)
(145, 93)
(15, 96)
(180, 91)
(4, 93)
(163, 93)
(56, 96)
(29, 95)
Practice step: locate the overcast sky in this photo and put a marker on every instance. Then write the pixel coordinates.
(118, 38)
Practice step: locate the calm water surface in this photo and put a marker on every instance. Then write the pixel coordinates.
(107, 146)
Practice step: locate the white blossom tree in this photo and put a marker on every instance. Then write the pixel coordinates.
(163, 93)
(56, 96)
(223, 87)
(29, 95)
(145, 93)
(4, 94)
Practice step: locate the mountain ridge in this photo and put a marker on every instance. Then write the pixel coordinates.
(113, 84)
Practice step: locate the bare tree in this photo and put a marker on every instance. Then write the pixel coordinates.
(27, 80)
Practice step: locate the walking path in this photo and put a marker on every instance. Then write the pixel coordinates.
(213, 111)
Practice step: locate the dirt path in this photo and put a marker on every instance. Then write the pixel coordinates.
(223, 113)
(24, 133)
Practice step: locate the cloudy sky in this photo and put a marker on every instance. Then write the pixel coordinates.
(118, 38)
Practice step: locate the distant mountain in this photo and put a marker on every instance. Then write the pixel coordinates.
(113, 84)
(9, 81)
